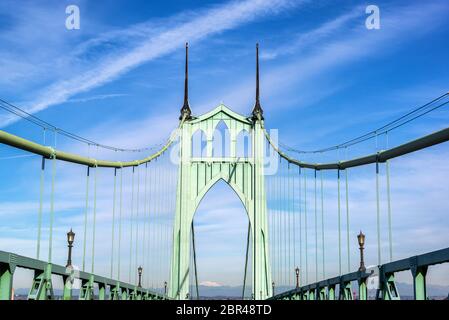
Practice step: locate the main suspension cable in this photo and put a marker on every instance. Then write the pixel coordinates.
(397, 123)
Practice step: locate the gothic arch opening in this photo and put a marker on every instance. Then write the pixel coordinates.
(199, 144)
(220, 226)
(243, 144)
(221, 142)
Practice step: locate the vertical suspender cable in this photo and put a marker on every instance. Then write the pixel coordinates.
(316, 229)
(284, 218)
(246, 260)
(379, 258)
(120, 226)
(305, 226)
(339, 222)
(289, 224)
(149, 251)
(322, 226)
(52, 202)
(194, 262)
(167, 218)
(158, 213)
(270, 225)
(292, 179)
(277, 262)
(113, 221)
(279, 233)
(41, 201)
(52, 207)
(390, 237)
(347, 220)
(95, 218)
(137, 223)
(85, 218)
(300, 225)
(131, 228)
(144, 260)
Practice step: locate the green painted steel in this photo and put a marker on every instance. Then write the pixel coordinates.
(387, 287)
(245, 175)
(419, 282)
(346, 291)
(68, 284)
(363, 289)
(331, 292)
(6, 278)
(418, 266)
(42, 288)
(382, 156)
(101, 291)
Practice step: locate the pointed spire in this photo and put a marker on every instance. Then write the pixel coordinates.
(257, 110)
(185, 110)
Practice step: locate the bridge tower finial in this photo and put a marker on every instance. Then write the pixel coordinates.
(257, 110)
(185, 110)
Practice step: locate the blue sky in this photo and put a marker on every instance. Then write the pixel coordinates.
(324, 78)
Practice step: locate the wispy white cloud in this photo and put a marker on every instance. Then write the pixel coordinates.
(196, 27)
(97, 97)
(305, 40)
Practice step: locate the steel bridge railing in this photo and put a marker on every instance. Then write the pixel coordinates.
(387, 290)
(42, 288)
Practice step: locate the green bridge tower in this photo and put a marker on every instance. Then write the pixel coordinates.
(245, 175)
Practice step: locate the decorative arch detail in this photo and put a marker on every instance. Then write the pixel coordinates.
(197, 175)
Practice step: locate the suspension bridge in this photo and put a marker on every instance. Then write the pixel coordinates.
(152, 253)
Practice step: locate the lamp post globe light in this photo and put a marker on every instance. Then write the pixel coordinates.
(361, 240)
(139, 270)
(297, 277)
(70, 240)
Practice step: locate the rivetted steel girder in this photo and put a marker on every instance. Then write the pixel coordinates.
(38, 265)
(382, 156)
(413, 263)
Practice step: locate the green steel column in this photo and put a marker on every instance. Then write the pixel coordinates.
(115, 292)
(124, 295)
(42, 288)
(6, 278)
(87, 289)
(331, 292)
(312, 294)
(305, 295)
(363, 290)
(101, 291)
(68, 283)
(322, 293)
(419, 282)
(388, 289)
(348, 291)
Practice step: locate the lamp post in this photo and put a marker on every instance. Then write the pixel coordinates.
(70, 239)
(139, 270)
(297, 277)
(361, 240)
(165, 287)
